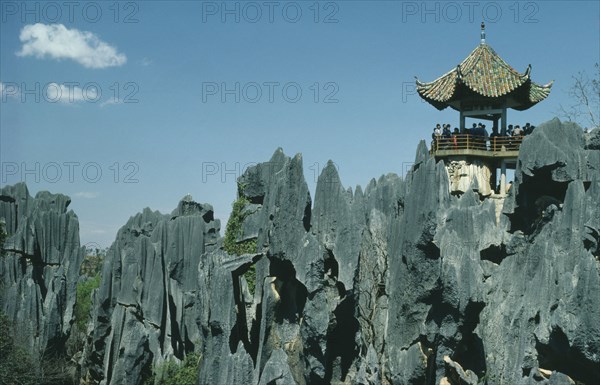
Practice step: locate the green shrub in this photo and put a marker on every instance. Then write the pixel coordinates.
(83, 302)
(234, 230)
(250, 276)
(172, 373)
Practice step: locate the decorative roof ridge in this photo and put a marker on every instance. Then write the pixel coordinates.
(496, 57)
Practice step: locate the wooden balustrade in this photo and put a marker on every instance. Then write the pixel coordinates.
(495, 144)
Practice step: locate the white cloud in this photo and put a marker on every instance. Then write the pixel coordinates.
(58, 42)
(65, 94)
(86, 194)
(145, 62)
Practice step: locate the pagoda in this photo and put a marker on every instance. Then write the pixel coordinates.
(483, 87)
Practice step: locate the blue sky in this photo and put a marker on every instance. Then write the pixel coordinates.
(126, 105)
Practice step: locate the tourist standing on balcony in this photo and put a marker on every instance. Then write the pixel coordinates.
(437, 134)
(493, 139)
(517, 131)
(446, 132)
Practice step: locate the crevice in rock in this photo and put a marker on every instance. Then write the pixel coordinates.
(175, 335)
(7, 198)
(430, 349)
(330, 265)
(163, 316)
(239, 329)
(38, 270)
(586, 185)
(470, 352)
(536, 194)
(342, 349)
(381, 290)
(255, 333)
(146, 371)
(494, 253)
(258, 199)
(559, 355)
(430, 249)
(208, 216)
(591, 241)
(439, 310)
(332, 270)
(56, 347)
(306, 217)
(23, 265)
(292, 293)
(399, 208)
(438, 313)
(283, 269)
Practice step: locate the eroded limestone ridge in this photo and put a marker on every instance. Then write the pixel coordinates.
(403, 282)
(40, 268)
(146, 308)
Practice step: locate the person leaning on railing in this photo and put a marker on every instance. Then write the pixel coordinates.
(493, 145)
(517, 137)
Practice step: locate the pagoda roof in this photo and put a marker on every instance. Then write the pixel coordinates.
(485, 77)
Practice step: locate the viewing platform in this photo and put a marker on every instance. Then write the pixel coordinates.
(497, 147)
(481, 88)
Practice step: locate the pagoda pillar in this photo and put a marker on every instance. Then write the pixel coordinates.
(503, 122)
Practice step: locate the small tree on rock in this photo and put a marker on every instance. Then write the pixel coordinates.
(585, 94)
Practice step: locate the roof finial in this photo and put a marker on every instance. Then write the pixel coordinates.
(482, 32)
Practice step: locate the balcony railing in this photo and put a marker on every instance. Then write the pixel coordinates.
(467, 143)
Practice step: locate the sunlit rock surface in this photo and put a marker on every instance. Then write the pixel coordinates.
(401, 282)
(39, 273)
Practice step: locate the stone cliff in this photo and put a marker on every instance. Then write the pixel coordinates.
(39, 273)
(397, 283)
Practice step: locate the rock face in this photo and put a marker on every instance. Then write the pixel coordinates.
(146, 307)
(399, 283)
(39, 273)
(405, 283)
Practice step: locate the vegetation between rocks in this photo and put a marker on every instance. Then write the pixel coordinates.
(233, 231)
(83, 303)
(172, 373)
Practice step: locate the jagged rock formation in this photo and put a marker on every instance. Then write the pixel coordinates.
(405, 283)
(39, 273)
(399, 283)
(146, 306)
